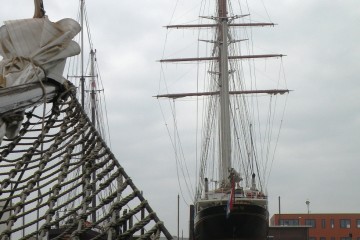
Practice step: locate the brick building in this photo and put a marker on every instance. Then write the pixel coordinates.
(288, 233)
(323, 226)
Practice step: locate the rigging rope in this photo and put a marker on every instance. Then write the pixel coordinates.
(48, 169)
(251, 152)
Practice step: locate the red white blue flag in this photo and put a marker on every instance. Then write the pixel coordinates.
(230, 204)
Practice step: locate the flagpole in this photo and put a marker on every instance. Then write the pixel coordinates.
(178, 216)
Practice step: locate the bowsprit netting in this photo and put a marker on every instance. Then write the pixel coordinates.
(59, 180)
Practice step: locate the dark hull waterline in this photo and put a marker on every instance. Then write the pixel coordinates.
(245, 222)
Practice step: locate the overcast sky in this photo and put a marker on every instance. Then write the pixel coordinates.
(319, 148)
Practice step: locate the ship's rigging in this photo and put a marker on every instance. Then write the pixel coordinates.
(83, 70)
(255, 130)
(59, 179)
(232, 152)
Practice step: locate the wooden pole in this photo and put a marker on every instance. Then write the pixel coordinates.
(39, 9)
(191, 222)
(178, 216)
(279, 212)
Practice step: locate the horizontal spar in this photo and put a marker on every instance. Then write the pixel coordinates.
(217, 58)
(181, 95)
(18, 98)
(215, 25)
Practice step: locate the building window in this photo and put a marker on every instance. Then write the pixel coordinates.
(310, 222)
(358, 223)
(332, 238)
(344, 223)
(322, 238)
(323, 223)
(289, 222)
(332, 225)
(345, 238)
(312, 238)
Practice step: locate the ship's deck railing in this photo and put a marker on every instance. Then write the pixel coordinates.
(224, 193)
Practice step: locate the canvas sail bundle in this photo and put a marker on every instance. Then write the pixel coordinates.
(33, 50)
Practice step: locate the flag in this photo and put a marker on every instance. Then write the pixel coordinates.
(230, 204)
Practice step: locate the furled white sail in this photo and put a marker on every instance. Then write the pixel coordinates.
(34, 50)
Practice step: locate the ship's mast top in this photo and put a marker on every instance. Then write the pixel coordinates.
(222, 8)
(39, 9)
(82, 78)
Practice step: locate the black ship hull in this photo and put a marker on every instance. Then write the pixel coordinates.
(88, 234)
(245, 222)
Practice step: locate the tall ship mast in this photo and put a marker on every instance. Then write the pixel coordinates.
(236, 207)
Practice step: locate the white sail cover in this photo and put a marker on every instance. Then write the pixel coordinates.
(33, 50)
